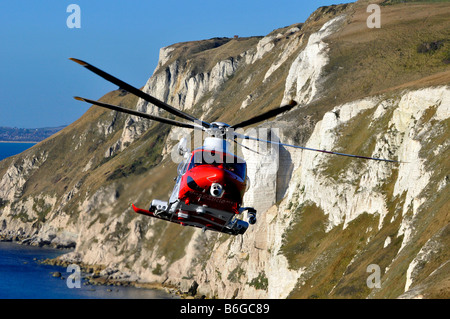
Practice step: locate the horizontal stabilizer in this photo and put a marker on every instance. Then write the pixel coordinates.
(142, 211)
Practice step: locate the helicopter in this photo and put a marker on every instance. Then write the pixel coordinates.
(211, 180)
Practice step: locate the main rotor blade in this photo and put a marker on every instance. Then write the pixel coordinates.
(266, 115)
(314, 149)
(141, 114)
(248, 148)
(140, 93)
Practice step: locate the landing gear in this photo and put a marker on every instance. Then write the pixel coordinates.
(158, 207)
(201, 209)
(252, 217)
(236, 227)
(251, 213)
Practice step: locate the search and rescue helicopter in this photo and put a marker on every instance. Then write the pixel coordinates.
(211, 180)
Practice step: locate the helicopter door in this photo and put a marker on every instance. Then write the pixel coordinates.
(182, 168)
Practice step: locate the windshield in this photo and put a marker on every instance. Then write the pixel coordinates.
(230, 163)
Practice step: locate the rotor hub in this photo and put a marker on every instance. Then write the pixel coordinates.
(218, 129)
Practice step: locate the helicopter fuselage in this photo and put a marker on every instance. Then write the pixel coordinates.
(220, 184)
(208, 193)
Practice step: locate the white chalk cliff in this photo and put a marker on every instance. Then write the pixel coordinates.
(322, 219)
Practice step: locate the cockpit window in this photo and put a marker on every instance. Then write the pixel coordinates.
(237, 168)
(231, 163)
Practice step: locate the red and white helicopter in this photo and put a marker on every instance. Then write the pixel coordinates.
(211, 180)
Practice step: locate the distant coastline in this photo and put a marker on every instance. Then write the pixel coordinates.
(24, 135)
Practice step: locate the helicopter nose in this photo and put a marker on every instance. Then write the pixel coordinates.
(216, 190)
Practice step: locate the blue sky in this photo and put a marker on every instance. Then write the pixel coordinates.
(38, 82)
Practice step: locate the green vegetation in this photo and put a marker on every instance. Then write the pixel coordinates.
(41, 208)
(260, 282)
(304, 235)
(155, 139)
(365, 62)
(358, 136)
(3, 203)
(202, 56)
(205, 248)
(176, 239)
(236, 274)
(157, 270)
(335, 262)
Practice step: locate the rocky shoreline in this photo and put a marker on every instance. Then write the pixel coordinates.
(100, 275)
(36, 241)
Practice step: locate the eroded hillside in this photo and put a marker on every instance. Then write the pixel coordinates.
(323, 219)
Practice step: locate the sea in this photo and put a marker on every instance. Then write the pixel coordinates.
(9, 148)
(23, 276)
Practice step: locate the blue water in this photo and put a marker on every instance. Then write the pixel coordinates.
(23, 277)
(10, 149)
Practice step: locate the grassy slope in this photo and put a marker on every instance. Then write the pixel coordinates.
(365, 62)
(368, 62)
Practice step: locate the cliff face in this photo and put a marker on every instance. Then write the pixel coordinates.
(324, 221)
